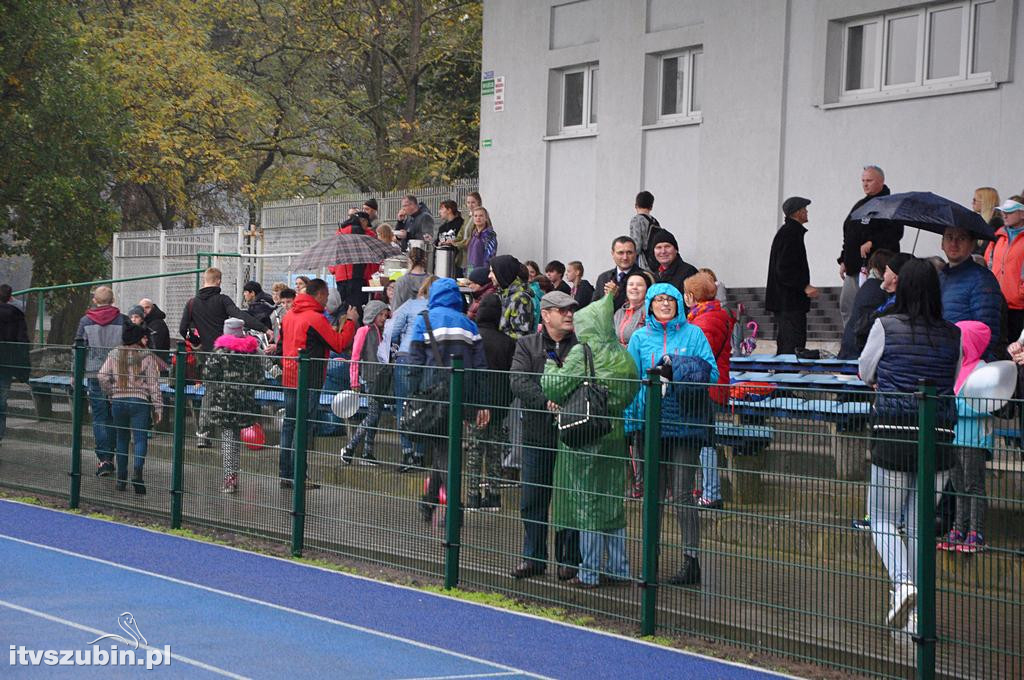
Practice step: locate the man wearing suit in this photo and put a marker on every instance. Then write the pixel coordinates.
(613, 281)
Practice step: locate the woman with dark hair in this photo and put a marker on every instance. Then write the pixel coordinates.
(911, 344)
(869, 298)
(448, 232)
(409, 284)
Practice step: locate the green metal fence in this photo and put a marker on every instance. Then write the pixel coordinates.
(782, 567)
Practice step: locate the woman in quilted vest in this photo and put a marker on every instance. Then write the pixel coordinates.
(913, 343)
(231, 374)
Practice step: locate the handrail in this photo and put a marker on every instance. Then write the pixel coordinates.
(41, 302)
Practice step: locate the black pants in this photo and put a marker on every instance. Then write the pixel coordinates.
(352, 295)
(1014, 324)
(537, 476)
(791, 331)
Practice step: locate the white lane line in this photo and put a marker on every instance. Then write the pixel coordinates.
(423, 593)
(459, 677)
(244, 598)
(96, 631)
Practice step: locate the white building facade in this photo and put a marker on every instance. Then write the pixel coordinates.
(722, 108)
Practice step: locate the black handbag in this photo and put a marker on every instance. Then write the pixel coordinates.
(583, 419)
(425, 415)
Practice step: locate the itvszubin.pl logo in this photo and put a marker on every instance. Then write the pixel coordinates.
(130, 650)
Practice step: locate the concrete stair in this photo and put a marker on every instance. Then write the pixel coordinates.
(824, 323)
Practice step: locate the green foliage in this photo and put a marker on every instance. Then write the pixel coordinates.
(59, 136)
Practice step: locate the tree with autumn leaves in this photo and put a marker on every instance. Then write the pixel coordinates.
(135, 114)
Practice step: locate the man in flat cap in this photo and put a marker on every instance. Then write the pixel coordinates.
(789, 291)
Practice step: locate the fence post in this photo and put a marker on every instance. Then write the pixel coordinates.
(925, 638)
(453, 521)
(178, 445)
(77, 413)
(651, 509)
(40, 313)
(299, 455)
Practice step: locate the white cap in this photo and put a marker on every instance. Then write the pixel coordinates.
(1010, 206)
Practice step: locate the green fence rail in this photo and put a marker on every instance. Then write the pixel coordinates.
(611, 531)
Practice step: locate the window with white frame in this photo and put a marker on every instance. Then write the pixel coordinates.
(579, 99)
(679, 84)
(927, 48)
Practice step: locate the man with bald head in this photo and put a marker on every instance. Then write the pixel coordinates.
(100, 331)
(861, 240)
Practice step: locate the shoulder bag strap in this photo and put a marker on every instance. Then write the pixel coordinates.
(588, 359)
(433, 341)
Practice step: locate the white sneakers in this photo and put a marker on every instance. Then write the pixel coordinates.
(904, 599)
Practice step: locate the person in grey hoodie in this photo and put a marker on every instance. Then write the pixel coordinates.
(100, 331)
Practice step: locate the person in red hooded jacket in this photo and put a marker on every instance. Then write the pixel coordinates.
(351, 278)
(707, 314)
(304, 327)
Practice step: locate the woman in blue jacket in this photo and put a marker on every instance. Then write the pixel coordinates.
(667, 341)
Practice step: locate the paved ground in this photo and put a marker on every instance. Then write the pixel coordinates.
(787, 574)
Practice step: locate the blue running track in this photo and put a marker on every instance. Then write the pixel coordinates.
(65, 580)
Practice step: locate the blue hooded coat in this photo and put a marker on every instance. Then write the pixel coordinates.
(692, 361)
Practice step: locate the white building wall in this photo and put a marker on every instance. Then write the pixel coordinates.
(763, 135)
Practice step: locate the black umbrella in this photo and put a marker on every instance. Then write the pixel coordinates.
(923, 210)
(345, 249)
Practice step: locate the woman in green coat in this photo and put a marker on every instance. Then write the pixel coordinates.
(589, 482)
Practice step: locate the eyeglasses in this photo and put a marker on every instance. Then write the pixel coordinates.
(662, 299)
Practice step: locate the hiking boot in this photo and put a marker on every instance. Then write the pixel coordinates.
(862, 524)
(708, 504)
(104, 468)
(121, 486)
(368, 459)
(689, 574)
(203, 440)
(410, 462)
(346, 456)
(139, 485)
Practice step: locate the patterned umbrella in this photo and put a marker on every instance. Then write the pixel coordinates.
(345, 249)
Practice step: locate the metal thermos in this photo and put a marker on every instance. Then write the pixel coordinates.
(444, 262)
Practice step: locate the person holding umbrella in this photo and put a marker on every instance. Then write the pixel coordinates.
(351, 278)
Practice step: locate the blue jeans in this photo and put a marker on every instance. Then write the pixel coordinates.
(712, 487)
(593, 547)
(131, 421)
(402, 390)
(5, 388)
(286, 459)
(102, 429)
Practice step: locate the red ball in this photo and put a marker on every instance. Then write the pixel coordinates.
(253, 437)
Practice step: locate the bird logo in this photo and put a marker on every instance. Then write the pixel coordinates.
(127, 623)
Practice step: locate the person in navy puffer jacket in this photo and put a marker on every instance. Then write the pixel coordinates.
(970, 292)
(681, 350)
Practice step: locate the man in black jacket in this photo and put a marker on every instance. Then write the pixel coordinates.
(789, 291)
(206, 313)
(15, 362)
(613, 281)
(540, 438)
(860, 240)
(669, 267)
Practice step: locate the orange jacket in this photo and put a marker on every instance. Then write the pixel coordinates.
(1006, 261)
